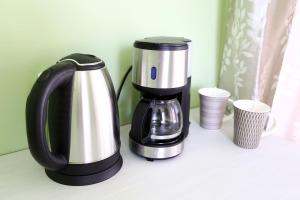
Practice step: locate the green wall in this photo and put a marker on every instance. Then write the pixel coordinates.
(34, 34)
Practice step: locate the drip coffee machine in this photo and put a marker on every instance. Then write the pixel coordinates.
(161, 73)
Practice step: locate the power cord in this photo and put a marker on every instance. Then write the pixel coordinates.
(123, 81)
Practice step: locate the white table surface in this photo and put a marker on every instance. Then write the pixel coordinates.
(211, 167)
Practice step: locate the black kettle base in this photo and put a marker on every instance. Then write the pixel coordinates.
(79, 180)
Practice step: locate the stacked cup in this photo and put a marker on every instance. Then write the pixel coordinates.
(213, 103)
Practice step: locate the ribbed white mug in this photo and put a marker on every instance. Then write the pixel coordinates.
(213, 102)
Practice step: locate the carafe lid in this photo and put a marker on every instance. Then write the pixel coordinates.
(84, 62)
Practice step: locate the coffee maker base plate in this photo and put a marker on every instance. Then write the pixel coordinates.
(79, 180)
(156, 153)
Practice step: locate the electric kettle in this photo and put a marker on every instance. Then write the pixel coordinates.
(76, 97)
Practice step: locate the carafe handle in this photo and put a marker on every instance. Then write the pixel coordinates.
(141, 114)
(36, 114)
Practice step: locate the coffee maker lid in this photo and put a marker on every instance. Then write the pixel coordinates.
(84, 62)
(162, 43)
(183, 39)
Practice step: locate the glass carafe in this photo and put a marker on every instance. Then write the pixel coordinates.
(166, 119)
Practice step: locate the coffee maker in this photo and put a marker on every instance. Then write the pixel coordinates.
(161, 73)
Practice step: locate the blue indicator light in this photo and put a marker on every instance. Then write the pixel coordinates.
(153, 73)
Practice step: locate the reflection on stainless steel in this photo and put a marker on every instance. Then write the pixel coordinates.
(156, 152)
(189, 73)
(171, 68)
(92, 122)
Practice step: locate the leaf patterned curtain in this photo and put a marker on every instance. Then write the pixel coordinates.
(256, 35)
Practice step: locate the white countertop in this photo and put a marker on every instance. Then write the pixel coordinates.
(211, 167)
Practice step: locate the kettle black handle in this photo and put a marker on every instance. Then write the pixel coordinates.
(141, 114)
(36, 114)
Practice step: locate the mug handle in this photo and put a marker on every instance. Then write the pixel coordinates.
(273, 123)
(229, 104)
(231, 101)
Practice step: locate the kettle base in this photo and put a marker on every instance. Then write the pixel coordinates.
(79, 180)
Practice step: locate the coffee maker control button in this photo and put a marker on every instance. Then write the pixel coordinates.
(153, 73)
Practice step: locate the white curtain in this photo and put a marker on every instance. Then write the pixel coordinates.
(276, 36)
(286, 104)
(261, 57)
(256, 36)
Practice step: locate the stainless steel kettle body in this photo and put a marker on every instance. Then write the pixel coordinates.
(93, 118)
(77, 97)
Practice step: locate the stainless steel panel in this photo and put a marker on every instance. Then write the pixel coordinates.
(93, 136)
(156, 152)
(172, 68)
(189, 73)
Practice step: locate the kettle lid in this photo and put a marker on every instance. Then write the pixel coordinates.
(84, 62)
